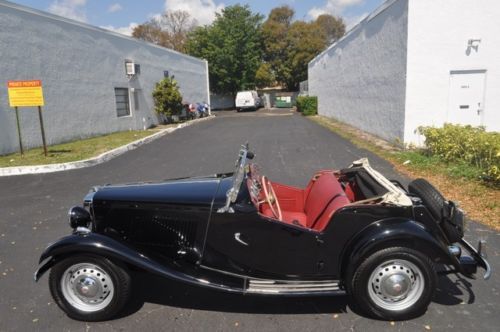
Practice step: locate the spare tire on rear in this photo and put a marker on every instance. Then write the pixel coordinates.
(431, 197)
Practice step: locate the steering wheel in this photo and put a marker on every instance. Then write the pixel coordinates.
(271, 197)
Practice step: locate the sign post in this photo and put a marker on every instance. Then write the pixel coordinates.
(19, 132)
(27, 94)
(43, 130)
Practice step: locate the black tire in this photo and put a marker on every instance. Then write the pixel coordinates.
(431, 197)
(118, 296)
(363, 294)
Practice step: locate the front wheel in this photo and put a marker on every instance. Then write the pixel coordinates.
(89, 288)
(394, 284)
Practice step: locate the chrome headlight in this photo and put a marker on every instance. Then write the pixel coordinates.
(79, 217)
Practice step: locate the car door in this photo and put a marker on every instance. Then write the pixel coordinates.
(245, 242)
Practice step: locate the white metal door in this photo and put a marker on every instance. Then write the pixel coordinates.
(466, 105)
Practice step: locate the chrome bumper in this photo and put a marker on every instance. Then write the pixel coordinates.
(478, 257)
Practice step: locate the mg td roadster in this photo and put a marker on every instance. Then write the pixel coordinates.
(350, 231)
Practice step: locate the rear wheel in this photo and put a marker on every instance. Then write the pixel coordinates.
(394, 284)
(89, 288)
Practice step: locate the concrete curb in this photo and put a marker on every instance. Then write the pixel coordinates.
(50, 168)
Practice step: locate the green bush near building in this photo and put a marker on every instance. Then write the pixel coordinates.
(307, 105)
(167, 97)
(466, 144)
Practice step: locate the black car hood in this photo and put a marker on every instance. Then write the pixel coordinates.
(198, 191)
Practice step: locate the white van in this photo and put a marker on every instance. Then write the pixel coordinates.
(247, 100)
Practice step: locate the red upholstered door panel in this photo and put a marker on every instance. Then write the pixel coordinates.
(327, 215)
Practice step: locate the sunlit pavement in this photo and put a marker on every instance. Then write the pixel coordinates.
(289, 149)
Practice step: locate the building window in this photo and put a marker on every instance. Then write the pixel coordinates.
(122, 102)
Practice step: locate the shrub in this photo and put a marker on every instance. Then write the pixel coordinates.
(308, 105)
(167, 97)
(473, 145)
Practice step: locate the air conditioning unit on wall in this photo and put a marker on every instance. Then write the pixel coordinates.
(129, 68)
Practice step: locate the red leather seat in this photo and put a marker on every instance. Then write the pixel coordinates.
(325, 196)
(322, 197)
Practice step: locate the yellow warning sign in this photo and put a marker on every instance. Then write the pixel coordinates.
(25, 93)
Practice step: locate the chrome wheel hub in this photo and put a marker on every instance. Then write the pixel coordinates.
(87, 287)
(396, 285)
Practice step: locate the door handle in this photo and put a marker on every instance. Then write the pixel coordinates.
(237, 237)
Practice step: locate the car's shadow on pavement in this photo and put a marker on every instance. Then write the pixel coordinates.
(451, 290)
(154, 289)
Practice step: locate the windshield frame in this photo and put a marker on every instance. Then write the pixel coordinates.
(238, 178)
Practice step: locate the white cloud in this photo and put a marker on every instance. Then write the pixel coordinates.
(116, 7)
(127, 31)
(201, 10)
(74, 9)
(333, 7)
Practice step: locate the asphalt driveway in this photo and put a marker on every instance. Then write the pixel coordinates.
(289, 149)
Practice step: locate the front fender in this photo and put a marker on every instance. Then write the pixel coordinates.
(95, 244)
(104, 246)
(394, 232)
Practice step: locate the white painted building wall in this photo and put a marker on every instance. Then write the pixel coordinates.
(360, 80)
(408, 64)
(80, 66)
(438, 34)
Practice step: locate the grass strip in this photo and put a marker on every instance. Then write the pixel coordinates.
(458, 182)
(75, 150)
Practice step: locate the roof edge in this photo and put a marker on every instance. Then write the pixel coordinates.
(379, 10)
(87, 26)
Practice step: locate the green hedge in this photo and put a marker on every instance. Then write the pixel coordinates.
(308, 105)
(473, 145)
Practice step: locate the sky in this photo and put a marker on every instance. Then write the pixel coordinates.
(122, 15)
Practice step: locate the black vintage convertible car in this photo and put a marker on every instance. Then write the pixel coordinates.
(349, 231)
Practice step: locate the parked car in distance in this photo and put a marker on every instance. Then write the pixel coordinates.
(349, 231)
(247, 100)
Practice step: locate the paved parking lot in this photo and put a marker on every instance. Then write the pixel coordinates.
(289, 149)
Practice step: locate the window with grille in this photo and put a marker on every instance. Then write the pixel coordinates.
(122, 102)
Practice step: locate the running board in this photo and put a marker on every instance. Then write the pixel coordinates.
(260, 286)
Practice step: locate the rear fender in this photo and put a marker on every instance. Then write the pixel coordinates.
(93, 243)
(394, 232)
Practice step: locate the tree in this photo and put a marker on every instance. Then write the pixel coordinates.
(178, 24)
(151, 32)
(333, 28)
(232, 47)
(274, 36)
(289, 45)
(169, 30)
(282, 15)
(264, 76)
(167, 97)
(304, 42)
